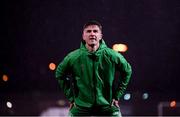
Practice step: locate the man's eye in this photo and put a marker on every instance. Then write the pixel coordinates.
(95, 31)
(88, 31)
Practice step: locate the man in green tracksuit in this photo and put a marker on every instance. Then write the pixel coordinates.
(87, 75)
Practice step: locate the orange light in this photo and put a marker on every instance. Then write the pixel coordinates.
(52, 66)
(173, 104)
(5, 78)
(120, 47)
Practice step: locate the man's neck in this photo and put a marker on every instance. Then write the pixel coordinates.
(92, 48)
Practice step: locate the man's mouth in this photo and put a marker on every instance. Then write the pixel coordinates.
(92, 38)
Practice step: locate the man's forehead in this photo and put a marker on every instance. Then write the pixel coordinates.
(92, 27)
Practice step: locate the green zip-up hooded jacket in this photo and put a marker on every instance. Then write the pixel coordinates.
(88, 78)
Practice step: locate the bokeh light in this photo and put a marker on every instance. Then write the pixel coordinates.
(127, 96)
(61, 102)
(5, 78)
(173, 104)
(9, 104)
(120, 47)
(52, 66)
(145, 96)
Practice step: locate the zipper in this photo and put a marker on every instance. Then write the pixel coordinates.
(94, 78)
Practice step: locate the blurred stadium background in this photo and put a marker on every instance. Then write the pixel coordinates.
(37, 34)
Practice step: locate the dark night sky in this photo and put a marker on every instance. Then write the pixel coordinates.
(43, 31)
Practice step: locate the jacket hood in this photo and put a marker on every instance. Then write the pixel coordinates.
(102, 45)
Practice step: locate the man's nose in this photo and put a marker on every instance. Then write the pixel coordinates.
(92, 33)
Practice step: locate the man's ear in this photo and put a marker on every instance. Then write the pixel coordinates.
(82, 36)
(101, 35)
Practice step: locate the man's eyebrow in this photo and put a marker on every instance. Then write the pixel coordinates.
(92, 29)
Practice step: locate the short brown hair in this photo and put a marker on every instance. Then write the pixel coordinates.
(92, 22)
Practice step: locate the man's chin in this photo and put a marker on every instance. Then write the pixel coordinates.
(92, 44)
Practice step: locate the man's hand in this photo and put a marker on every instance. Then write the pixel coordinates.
(115, 103)
(71, 105)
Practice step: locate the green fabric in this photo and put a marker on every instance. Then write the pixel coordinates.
(93, 76)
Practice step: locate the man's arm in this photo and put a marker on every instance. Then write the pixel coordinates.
(61, 75)
(125, 74)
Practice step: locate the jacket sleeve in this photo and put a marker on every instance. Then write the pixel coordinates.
(124, 68)
(62, 75)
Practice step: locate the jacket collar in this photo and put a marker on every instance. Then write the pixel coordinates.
(102, 45)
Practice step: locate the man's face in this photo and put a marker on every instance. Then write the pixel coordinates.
(92, 35)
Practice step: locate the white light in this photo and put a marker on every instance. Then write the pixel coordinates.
(127, 96)
(9, 104)
(120, 47)
(145, 96)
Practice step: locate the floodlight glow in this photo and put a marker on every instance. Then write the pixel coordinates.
(52, 66)
(120, 47)
(127, 96)
(145, 96)
(5, 78)
(9, 104)
(173, 104)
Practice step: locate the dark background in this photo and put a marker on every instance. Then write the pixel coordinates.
(37, 32)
